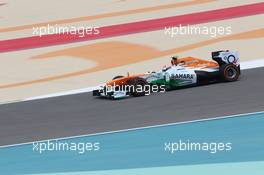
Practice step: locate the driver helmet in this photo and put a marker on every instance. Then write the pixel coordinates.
(174, 60)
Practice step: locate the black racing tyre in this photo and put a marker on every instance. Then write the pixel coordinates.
(229, 72)
(117, 77)
(137, 86)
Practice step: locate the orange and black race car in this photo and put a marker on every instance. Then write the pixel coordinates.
(183, 72)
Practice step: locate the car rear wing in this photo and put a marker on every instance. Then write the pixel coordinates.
(226, 57)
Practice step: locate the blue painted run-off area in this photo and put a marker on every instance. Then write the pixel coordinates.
(145, 148)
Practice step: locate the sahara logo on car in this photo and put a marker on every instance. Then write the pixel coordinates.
(182, 76)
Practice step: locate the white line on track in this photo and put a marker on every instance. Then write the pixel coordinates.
(71, 92)
(138, 128)
(252, 64)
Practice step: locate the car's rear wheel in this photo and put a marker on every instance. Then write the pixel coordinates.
(229, 72)
(138, 86)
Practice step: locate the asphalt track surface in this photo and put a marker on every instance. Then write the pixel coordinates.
(134, 27)
(83, 114)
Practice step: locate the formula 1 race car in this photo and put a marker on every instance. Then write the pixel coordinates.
(183, 72)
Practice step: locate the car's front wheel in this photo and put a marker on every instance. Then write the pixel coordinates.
(138, 86)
